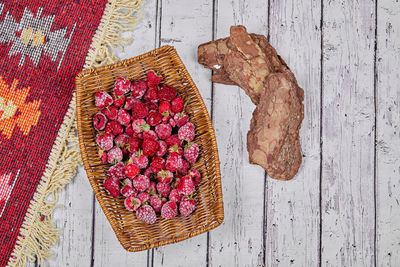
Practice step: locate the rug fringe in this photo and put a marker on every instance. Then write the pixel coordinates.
(38, 232)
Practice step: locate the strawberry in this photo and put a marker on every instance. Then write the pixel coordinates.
(164, 176)
(177, 104)
(154, 118)
(156, 202)
(172, 122)
(133, 144)
(162, 148)
(164, 108)
(123, 117)
(122, 86)
(163, 189)
(150, 134)
(141, 182)
(186, 132)
(129, 130)
(103, 156)
(151, 94)
(195, 175)
(105, 141)
(131, 170)
(130, 100)
(150, 147)
(143, 196)
(132, 203)
(125, 153)
(119, 101)
(181, 119)
(114, 155)
(147, 172)
(169, 210)
(165, 119)
(184, 169)
(185, 185)
(111, 185)
(140, 160)
(176, 148)
(191, 152)
(173, 139)
(128, 191)
(151, 106)
(140, 125)
(187, 206)
(175, 196)
(121, 140)
(157, 164)
(174, 162)
(102, 99)
(111, 112)
(117, 171)
(152, 190)
(166, 92)
(153, 79)
(99, 121)
(139, 110)
(146, 214)
(138, 89)
(114, 128)
(163, 131)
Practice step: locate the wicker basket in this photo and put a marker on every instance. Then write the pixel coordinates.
(135, 235)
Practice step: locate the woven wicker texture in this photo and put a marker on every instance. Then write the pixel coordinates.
(135, 235)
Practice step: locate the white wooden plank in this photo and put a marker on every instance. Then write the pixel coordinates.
(185, 25)
(239, 240)
(348, 133)
(292, 235)
(388, 134)
(107, 250)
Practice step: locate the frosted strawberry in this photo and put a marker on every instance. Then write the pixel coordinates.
(177, 149)
(123, 117)
(169, 210)
(185, 185)
(122, 140)
(164, 108)
(133, 144)
(177, 104)
(150, 147)
(111, 185)
(138, 89)
(102, 99)
(111, 112)
(157, 164)
(150, 134)
(139, 110)
(173, 139)
(143, 196)
(156, 202)
(186, 132)
(132, 203)
(114, 128)
(166, 92)
(147, 172)
(191, 152)
(151, 94)
(151, 106)
(154, 118)
(128, 191)
(141, 183)
(99, 121)
(146, 214)
(119, 101)
(131, 170)
(122, 86)
(117, 171)
(152, 190)
(162, 148)
(175, 196)
(130, 100)
(171, 122)
(153, 79)
(114, 155)
(105, 141)
(140, 125)
(187, 206)
(165, 176)
(163, 189)
(140, 160)
(184, 169)
(181, 119)
(163, 131)
(195, 175)
(174, 162)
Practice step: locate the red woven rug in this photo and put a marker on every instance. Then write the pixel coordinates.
(43, 45)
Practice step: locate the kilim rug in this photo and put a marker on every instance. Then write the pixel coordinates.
(43, 45)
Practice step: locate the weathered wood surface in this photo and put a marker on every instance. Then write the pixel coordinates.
(329, 215)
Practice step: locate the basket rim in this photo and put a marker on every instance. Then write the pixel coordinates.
(166, 49)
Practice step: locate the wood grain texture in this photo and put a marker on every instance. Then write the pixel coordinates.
(292, 207)
(348, 133)
(388, 134)
(239, 240)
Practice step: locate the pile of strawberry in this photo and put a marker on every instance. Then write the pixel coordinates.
(145, 134)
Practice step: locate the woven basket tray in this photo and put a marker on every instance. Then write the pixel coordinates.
(135, 235)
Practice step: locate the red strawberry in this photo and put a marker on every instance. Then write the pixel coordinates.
(117, 171)
(139, 110)
(130, 100)
(164, 176)
(187, 206)
(132, 203)
(143, 196)
(146, 214)
(111, 185)
(186, 132)
(157, 164)
(99, 121)
(138, 89)
(151, 94)
(173, 139)
(164, 108)
(131, 170)
(191, 152)
(121, 86)
(163, 131)
(162, 149)
(139, 159)
(114, 155)
(154, 118)
(103, 156)
(166, 92)
(123, 117)
(177, 104)
(152, 188)
(174, 162)
(105, 141)
(150, 147)
(184, 169)
(151, 106)
(114, 128)
(128, 191)
(163, 189)
(129, 130)
(175, 196)
(102, 99)
(140, 125)
(133, 144)
(185, 185)
(119, 101)
(156, 202)
(181, 119)
(111, 112)
(121, 140)
(153, 79)
(177, 149)
(141, 183)
(169, 210)
(195, 175)
(150, 134)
